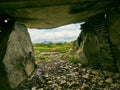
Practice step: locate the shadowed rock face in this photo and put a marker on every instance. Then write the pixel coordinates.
(17, 62)
(4, 36)
(49, 14)
(99, 42)
(114, 30)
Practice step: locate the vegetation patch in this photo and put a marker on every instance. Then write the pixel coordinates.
(51, 51)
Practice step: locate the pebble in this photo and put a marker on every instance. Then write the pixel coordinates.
(100, 82)
(95, 72)
(40, 89)
(109, 80)
(63, 75)
(83, 69)
(85, 87)
(34, 88)
(49, 82)
(63, 82)
(86, 76)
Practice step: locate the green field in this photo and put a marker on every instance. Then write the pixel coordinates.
(53, 47)
(50, 51)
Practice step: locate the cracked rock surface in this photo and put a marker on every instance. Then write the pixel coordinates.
(61, 74)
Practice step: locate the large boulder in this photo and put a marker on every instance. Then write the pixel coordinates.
(18, 59)
(98, 45)
(78, 49)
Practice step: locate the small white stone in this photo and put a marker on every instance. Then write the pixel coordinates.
(83, 70)
(95, 72)
(84, 86)
(40, 89)
(109, 80)
(34, 88)
(86, 76)
(49, 82)
(46, 75)
(63, 82)
(100, 82)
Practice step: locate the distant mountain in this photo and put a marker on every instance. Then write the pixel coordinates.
(45, 42)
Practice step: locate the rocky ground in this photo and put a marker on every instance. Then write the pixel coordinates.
(61, 74)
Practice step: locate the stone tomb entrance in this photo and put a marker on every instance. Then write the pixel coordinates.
(98, 45)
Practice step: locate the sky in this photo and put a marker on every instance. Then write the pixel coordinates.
(65, 33)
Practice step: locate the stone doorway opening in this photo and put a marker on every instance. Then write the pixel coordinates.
(64, 33)
(50, 44)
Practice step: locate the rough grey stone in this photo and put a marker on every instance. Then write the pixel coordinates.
(47, 14)
(18, 59)
(99, 43)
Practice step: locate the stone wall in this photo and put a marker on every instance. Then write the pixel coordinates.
(99, 42)
(114, 29)
(17, 62)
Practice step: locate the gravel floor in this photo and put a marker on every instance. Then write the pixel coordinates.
(60, 74)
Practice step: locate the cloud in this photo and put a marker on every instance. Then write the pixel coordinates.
(61, 34)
